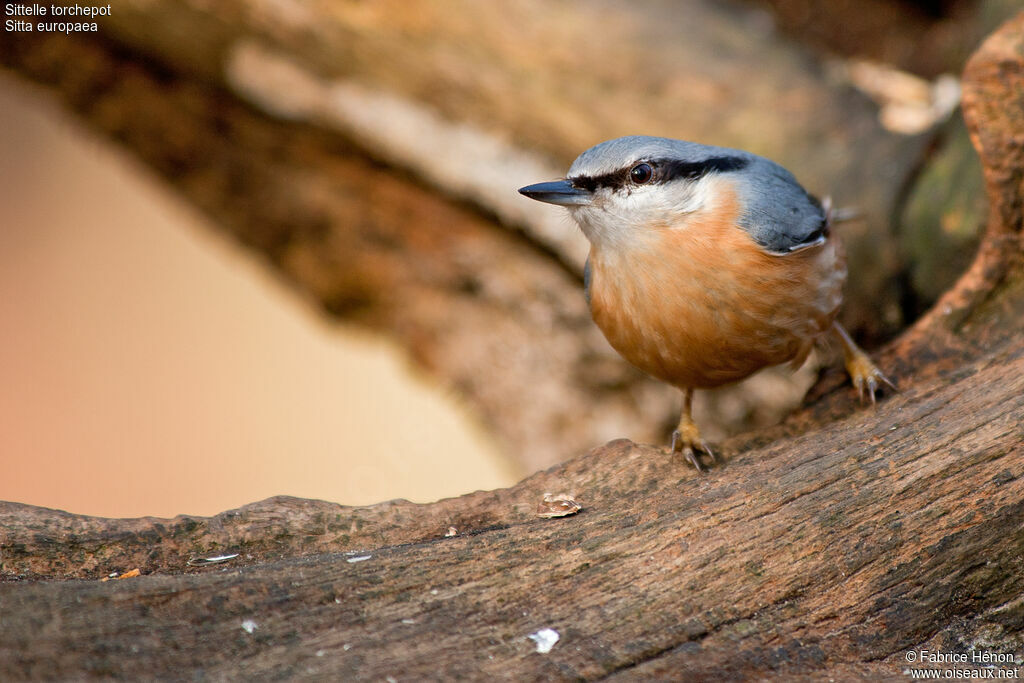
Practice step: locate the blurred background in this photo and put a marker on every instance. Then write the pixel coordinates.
(153, 368)
(276, 248)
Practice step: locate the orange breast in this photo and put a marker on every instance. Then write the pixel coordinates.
(701, 304)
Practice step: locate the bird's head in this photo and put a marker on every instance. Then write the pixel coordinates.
(625, 189)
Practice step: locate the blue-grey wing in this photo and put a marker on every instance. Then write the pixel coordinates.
(779, 214)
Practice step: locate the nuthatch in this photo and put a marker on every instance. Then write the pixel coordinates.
(706, 265)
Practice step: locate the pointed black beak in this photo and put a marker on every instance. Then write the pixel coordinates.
(558, 192)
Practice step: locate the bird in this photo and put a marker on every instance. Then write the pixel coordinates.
(706, 264)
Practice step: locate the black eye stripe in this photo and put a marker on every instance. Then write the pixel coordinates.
(693, 170)
(615, 179)
(665, 170)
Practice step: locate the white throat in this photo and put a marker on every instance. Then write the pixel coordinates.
(629, 218)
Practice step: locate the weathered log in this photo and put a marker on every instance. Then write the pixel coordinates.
(827, 547)
(843, 547)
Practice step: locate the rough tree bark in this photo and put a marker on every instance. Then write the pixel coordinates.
(825, 547)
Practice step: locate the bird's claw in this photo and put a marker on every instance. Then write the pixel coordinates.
(689, 445)
(866, 377)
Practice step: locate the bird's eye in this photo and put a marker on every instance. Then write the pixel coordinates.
(641, 173)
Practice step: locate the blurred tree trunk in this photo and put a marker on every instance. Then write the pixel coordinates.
(371, 152)
(827, 546)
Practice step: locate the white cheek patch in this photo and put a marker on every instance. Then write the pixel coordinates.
(662, 204)
(686, 199)
(625, 219)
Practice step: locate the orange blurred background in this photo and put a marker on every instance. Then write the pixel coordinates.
(149, 367)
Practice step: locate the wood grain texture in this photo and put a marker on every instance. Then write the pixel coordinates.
(846, 545)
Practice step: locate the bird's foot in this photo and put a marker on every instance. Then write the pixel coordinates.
(686, 440)
(865, 375)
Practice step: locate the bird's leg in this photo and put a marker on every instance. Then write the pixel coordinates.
(864, 374)
(686, 438)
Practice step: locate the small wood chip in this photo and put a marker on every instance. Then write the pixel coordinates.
(202, 561)
(557, 505)
(127, 575)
